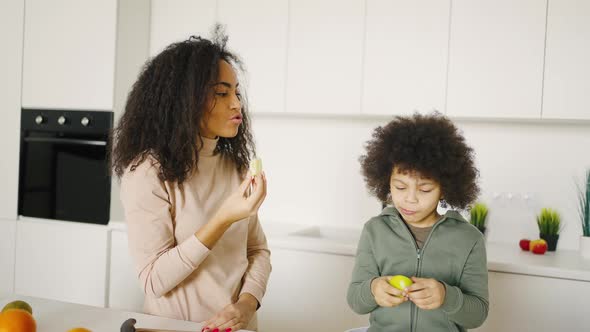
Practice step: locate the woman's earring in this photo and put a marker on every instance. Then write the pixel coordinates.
(443, 204)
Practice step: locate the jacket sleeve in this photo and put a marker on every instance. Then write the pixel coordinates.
(161, 263)
(468, 303)
(359, 296)
(259, 268)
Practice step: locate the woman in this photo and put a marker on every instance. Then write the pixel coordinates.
(182, 150)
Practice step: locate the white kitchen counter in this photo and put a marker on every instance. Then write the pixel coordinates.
(502, 257)
(56, 316)
(563, 264)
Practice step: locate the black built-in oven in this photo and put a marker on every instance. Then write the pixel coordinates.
(64, 171)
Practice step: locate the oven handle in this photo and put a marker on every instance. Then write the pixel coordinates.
(65, 141)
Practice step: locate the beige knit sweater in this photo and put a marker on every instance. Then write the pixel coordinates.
(181, 278)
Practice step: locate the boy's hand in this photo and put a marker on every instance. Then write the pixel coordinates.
(426, 293)
(386, 295)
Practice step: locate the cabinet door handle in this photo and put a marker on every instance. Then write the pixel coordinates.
(65, 141)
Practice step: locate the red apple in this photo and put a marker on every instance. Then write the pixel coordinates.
(539, 247)
(534, 243)
(525, 244)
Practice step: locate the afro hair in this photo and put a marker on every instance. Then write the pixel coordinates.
(429, 145)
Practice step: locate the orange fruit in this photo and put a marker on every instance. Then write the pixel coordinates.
(18, 305)
(79, 329)
(17, 320)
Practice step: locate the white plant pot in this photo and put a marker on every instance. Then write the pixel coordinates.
(585, 247)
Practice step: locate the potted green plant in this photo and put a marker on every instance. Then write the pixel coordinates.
(549, 222)
(478, 215)
(584, 197)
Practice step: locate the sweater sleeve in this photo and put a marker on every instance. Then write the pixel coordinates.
(359, 296)
(161, 263)
(467, 304)
(259, 268)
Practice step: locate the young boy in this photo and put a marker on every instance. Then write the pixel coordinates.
(413, 163)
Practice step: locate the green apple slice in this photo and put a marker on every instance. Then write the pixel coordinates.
(255, 166)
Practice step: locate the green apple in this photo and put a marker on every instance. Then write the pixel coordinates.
(400, 282)
(255, 166)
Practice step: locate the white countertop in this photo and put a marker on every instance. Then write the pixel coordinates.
(502, 257)
(563, 264)
(56, 316)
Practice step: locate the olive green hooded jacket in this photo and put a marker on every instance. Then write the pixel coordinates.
(454, 254)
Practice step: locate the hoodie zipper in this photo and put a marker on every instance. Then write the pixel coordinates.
(419, 254)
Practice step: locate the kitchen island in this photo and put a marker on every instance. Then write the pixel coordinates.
(57, 316)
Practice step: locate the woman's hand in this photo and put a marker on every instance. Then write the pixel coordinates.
(233, 317)
(427, 294)
(239, 204)
(386, 295)
(236, 207)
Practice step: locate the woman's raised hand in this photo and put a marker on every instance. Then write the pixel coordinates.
(242, 204)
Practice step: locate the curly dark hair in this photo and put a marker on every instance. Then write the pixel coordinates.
(430, 145)
(166, 105)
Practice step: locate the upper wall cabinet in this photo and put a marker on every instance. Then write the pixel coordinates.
(566, 93)
(11, 34)
(174, 21)
(259, 37)
(69, 54)
(496, 58)
(406, 50)
(324, 60)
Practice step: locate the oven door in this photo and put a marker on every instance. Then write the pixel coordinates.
(64, 178)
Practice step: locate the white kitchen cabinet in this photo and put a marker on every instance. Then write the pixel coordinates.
(7, 247)
(496, 58)
(69, 54)
(124, 290)
(133, 38)
(530, 303)
(11, 34)
(174, 21)
(65, 261)
(566, 93)
(406, 53)
(259, 37)
(324, 60)
(307, 292)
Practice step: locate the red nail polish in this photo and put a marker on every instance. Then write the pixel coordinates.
(228, 330)
(216, 330)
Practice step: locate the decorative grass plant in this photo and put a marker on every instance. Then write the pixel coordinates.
(549, 222)
(584, 196)
(478, 215)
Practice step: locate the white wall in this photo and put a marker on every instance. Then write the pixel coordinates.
(314, 174)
